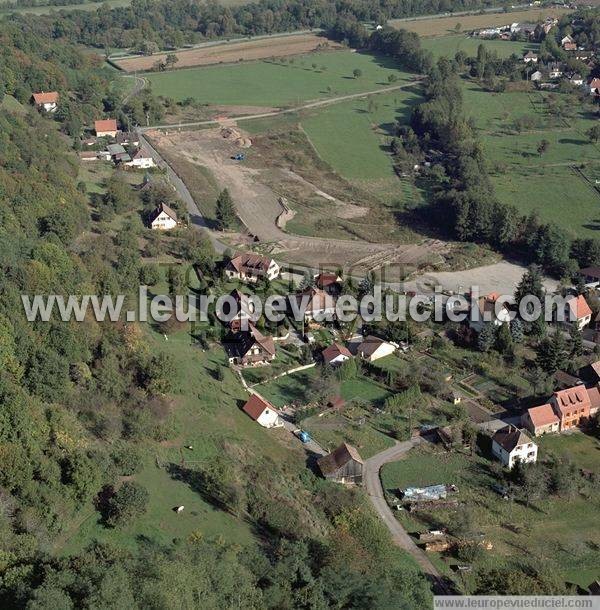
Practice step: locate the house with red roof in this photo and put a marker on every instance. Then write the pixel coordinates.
(541, 420)
(571, 406)
(488, 310)
(336, 354)
(250, 267)
(262, 412)
(47, 101)
(314, 304)
(106, 128)
(577, 311)
(594, 86)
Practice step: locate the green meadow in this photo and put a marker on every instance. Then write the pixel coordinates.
(278, 83)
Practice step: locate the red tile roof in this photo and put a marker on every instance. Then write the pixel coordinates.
(579, 308)
(572, 397)
(594, 396)
(50, 97)
(250, 262)
(255, 406)
(105, 125)
(542, 416)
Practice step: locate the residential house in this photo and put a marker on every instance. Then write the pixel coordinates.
(572, 406)
(577, 311)
(249, 347)
(511, 445)
(141, 159)
(576, 79)
(484, 311)
(106, 128)
(566, 40)
(314, 303)
(245, 311)
(591, 275)
(541, 420)
(118, 153)
(331, 283)
(536, 76)
(46, 101)
(594, 396)
(250, 267)
(594, 86)
(163, 218)
(374, 348)
(570, 46)
(344, 465)
(336, 354)
(262, 412)
(127, 137)
(555, 70)
(530, 57)
(590, 373)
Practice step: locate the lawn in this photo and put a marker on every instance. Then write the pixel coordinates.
(206, 413)
(352, 136)
(448, 46)
(260, 83)
(10, 104)
(547, 182)
(558, 531)
(290, 389)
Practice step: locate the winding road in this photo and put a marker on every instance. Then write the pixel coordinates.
(374, 489)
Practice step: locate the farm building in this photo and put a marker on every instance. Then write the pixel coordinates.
(541, 420)
(106, 128)
(250, 267)
(163, 218)
(336, 354)
(46, 101)
(511, 445)
(591, 275)
(344, 465)
(373, 348)
(262, 412)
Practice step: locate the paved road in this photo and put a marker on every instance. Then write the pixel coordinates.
(372, 483)
(315, 104)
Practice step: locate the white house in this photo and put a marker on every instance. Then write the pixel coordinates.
(141, 159)
(249, 267)
(163, 218)
(530, 58)
(373, 348)
(262, 412)
(577, 311)
(511, 445)
(315, 303)
(106, 128)
(536, 76)
(46, 101)
(487, 309)
(336, 354)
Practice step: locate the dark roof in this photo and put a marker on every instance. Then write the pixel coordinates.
(326, 279)
(163, 207)
(510, 437)
(239, 344)
(338, 458)
(249, 261)
(334, 350)
(590, 271)
(370, 345)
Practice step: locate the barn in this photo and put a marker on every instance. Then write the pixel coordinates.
(344, 465)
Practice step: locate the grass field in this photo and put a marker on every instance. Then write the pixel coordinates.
(10, 104)
(448, 46)
(441, 26)
(559, 532)
(552, 183)
(260, 83)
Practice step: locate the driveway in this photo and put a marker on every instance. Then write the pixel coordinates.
(372, 483)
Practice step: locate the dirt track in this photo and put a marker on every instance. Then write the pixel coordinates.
(258, 207)
(233, 52)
